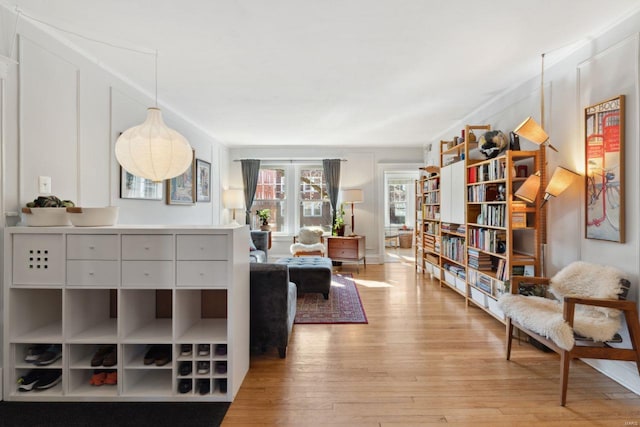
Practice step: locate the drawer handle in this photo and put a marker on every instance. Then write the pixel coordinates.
(201, 248)
(146, 248)
(92, 247)
(146, 274)
(91, 273)
(201, 273)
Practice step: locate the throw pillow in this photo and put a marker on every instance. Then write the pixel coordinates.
(252, 246)
(309, 236)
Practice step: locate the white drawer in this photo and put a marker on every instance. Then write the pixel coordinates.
(202, 247)
(38, 259)
(154, 274)
(92, 246)
(202, 273)
(92, 273)
(143, 247)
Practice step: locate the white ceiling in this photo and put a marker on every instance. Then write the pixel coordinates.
(326, 72)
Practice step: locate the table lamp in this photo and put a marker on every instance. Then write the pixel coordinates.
(352, 196)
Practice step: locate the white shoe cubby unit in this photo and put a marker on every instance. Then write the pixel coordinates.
(132, 288)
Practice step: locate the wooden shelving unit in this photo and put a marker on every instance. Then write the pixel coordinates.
(427, 229)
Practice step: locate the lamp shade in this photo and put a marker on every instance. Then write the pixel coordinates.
(560, 181)
(352, 196)
(233, 199)
(531, 130)
(152, 150)
(528, 191)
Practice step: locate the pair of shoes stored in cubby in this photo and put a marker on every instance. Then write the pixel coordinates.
(39, 379)
(222, 385)
(186, 349)
(203, 349)
(221, 350)
(43, 354)
(106, 356)
(104, 376)
(159, 354)
(221, 367)
(203, 386)
(185, 368)
(184, 386)
(203, 367)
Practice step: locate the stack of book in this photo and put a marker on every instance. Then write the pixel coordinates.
(479, 260)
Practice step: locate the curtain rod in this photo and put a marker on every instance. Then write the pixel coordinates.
(286, 160)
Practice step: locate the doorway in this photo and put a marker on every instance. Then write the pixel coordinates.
(399, 215)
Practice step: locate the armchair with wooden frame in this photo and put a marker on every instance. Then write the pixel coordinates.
(582, 323)
(309, 242)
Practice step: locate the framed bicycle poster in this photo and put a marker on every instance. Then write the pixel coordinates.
(604, 166)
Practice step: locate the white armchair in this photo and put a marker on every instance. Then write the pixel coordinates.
(308, 242)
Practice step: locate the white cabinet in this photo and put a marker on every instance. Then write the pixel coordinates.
(452, 193)
(131, 288)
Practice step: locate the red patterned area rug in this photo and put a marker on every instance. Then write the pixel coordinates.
(343, 306)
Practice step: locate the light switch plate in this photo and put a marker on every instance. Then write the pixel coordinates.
(44, 184)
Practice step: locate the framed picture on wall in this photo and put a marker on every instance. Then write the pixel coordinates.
(203, 181)
(181, 190)
(604, 166)
(135, 187)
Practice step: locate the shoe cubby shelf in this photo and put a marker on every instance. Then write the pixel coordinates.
(131, 289)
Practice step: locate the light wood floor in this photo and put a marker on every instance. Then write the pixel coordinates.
(424, 359)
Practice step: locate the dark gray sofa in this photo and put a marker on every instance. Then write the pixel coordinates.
(273, 306)
(261, 242)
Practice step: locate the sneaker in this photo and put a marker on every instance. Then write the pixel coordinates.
(185, 368)
(185, 349)
(98, 377)
(204, 386)
(34, 352)
(29, 381)
(221, 367)
(221, 350)
(49, 378)
(53, 353)
(203, 367)
(203, 349)
(184, 386)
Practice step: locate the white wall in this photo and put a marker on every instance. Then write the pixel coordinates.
(359, 171)
(63, 115)
(601, 69)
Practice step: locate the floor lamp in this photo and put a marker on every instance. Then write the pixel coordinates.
(352, 196)
(233, 199)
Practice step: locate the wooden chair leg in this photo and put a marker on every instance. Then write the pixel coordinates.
(631, 316)
(509, 337)
(565, 363)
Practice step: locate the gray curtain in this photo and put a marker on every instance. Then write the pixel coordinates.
(250, 170)
(332, 176)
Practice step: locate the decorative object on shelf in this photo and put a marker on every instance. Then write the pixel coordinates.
(135, 187)
(233, 199)
(352, 196)
(152, 150)
(514, 141)
(604, 148)
(493, 143)
(203, 181)
(263, 216)
(181, 189)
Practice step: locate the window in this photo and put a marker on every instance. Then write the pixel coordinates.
(397, 203)
(308, 207)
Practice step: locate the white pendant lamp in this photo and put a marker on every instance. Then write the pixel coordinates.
(152, 150)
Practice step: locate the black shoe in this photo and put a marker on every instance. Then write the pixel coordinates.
(150, 355)
(186, 349)
(204, 386)
(49, 378)
(53, 353)
(184, 386)
(163, 355)
(185, 368)
(221, 350)
(203, 367)
(223, 385)
(34, 352)
(203, 349)
(29, 381)
(221, 367)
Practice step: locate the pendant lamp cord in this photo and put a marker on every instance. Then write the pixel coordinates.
(156, 72)
(542, 94)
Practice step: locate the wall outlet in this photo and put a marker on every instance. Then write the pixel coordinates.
(44, 184)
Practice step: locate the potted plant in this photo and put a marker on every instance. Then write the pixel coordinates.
(264, 215)
(338, 225)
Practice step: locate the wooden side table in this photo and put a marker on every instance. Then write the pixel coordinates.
(347, 249)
